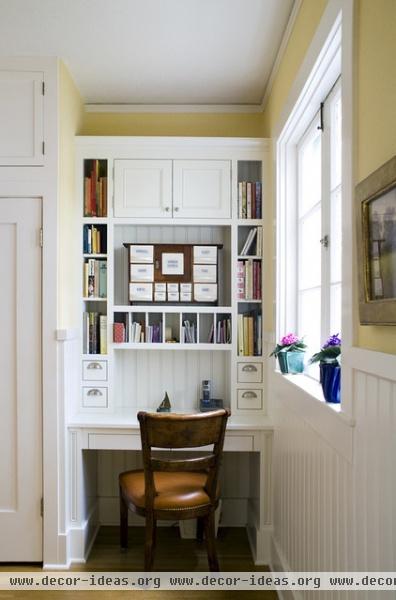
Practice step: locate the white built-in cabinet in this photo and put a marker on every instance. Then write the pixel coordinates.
(180, 189)
(21, 117)
(171, 191)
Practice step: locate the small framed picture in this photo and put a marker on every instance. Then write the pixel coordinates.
(172, 263)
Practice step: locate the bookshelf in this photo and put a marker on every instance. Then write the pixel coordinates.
(133, 351)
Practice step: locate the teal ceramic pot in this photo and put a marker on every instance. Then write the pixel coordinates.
(291, 362)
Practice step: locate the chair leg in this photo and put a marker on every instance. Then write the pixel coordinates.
(123, 522)
(151, 526)
(211, 542)
(200, 529)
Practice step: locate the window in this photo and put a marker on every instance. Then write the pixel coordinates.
(318, 226)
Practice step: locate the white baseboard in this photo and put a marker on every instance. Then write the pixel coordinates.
(260, 544)
(279, 564)
(81, 538)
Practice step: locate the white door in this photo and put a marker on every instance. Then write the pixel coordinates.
(21, 117)
(202, 189)
(143, 188)
(20, 380)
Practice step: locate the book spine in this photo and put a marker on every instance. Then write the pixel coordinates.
(258, 200)
(244, 205)
(240, 335)
(102, 278)
(248, 200)
(240, 201)
(103, 334)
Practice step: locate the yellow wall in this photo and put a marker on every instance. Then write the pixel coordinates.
(376, 115)
(182, 124)
(70, 118)
(375, 102)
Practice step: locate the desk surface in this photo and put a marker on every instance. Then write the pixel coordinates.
(127, 419)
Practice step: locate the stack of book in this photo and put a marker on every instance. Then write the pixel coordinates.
(223, 333)
(94, 333)
(94, 240)
(136, 332)
(189, 332)
(95, 190)
(253, 245)
(249, 200)
(95, 278)
(249, 334)
(249, 279)
(154, 333)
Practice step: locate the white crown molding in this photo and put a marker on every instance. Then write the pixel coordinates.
(173, 108)
(281, 51)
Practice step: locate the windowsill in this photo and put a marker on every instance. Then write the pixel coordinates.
(303, 396)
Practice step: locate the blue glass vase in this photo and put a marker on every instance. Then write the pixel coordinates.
(291, 362)
(330, 378)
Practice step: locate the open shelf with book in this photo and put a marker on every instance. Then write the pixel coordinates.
(200, 321)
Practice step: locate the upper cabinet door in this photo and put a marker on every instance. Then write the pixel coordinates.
(202, 189)
(143, 188)
(21, 118)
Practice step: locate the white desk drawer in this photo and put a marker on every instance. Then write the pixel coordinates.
(250, 372)
(94, 370)
(116, 441)
(94, 397)
(250, 399)
(237, 443)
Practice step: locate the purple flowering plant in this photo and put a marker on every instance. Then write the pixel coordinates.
(330, 352)
(289, 343)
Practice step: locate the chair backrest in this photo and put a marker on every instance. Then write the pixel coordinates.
(169, 430)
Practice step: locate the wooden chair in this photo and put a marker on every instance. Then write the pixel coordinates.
(172, 488)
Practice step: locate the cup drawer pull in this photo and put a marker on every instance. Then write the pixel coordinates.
(94, 392)
(249, 369)
(94, 365)
(249, 395)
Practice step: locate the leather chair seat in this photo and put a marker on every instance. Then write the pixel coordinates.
(175, 491)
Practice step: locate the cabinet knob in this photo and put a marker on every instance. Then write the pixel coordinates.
(249, 395)
(95, 392)
(249, 369)
(94, 365)
(176, 209)
(167, 209)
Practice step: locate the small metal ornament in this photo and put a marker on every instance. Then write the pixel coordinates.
(165, 405)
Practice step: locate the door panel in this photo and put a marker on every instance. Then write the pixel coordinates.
(202, 189)
(143, 188)
(21, 118)
(20, 376)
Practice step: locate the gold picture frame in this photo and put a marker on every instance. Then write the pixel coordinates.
(376, 245)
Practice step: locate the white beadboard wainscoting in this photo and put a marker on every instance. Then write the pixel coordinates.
(335, 492)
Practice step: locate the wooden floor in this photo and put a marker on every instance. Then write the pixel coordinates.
(172, 554)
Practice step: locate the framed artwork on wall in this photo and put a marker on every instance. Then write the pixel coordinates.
(376, 240)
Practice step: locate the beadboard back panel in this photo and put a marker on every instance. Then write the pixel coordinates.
(331, 513)
(142, 377)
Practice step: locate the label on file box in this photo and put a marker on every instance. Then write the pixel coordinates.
(205, 292)
(140, 272)
(205, 273)
(205, 255)
(141, 292)
(141, 253)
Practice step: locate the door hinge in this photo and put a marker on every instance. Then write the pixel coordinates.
(43, 147)
(42, 507)
(325, 241)
(43, 88)
(41, 238)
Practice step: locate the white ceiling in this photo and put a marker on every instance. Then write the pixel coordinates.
(153, 51)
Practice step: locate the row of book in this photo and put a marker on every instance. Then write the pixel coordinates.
(94, 239)
(254, 243)
(249, 334)
(249, 279)
(135, 332)
(95, 278)
(249, 200)
(94, 333)
(95, 190)
(223, 331)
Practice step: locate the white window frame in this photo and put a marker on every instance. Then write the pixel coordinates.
(325, 61)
